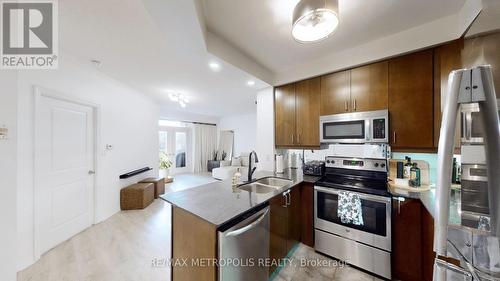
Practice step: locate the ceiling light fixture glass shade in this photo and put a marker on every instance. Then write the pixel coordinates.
(314, 20)
(180, 98)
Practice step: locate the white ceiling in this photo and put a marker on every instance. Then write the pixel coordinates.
(155, 46)
(262, 28)
(368, 30)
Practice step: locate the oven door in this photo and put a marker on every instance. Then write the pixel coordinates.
(376, 230)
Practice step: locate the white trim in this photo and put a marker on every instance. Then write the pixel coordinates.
(40, 92)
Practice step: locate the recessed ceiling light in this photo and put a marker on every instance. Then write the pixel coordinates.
(250, 83)
(214, 66)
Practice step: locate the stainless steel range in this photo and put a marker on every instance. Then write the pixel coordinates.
(367, 246)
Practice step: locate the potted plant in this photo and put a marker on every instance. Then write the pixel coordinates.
(165, 164)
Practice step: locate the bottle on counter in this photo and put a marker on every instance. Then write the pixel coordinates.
(414, 176)
(454, 171)
(236, 177)
(407, 168)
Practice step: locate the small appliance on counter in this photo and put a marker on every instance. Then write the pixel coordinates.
(314, 168)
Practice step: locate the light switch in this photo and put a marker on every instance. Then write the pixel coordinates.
(4, 133)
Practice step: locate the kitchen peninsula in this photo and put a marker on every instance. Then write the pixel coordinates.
(198, 214)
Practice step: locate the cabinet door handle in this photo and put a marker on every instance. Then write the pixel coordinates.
(354, 104)
(394, 136)
(292, 139)
(346, 104)
(289, 198)
(286, 201)
(298, 138)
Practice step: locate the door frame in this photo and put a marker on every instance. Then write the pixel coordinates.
(189, 148)
(39, 93)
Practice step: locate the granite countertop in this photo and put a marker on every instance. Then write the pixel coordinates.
(219, 202)
(428, 199)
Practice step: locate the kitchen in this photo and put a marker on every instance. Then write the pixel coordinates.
(250, 140)
(343, 136)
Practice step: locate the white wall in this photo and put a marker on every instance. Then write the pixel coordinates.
(128, 121)
(265, 129)
(182, 115)
(245, 129)
(8, 159)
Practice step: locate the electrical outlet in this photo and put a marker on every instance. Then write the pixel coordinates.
(4, 133)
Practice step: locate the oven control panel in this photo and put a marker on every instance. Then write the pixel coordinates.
(356, 163)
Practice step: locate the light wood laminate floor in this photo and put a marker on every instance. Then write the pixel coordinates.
(121, 248)
(131, 246)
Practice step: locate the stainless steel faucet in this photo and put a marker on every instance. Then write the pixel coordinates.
(250, 169)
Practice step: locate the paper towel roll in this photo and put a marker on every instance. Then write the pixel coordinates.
(279, 164)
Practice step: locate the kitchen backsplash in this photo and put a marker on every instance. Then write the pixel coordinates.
(320, 155)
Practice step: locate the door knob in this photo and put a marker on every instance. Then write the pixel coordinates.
(91, 172)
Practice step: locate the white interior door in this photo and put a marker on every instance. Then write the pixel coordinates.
(64, 167)
(175, 142)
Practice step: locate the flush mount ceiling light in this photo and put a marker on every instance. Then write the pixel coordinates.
(250, 83)
(180, 98)
(314, 20)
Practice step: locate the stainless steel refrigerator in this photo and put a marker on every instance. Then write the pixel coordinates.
(477, 248)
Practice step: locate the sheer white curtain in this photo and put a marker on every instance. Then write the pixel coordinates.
(205, 143)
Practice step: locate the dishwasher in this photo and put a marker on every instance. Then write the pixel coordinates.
(242, 244)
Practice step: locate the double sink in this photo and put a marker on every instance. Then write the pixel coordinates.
(265, 185)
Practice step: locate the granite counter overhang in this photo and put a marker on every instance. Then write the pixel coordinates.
(219, 202)
(428, 199)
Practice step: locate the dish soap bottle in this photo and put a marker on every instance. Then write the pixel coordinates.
(236, 177)
(407, 168)
(414, 176)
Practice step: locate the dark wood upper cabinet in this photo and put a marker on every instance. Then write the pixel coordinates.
(369, 87)
(411, 101)
(297, 114)
(307, 102)
(284, 97)
(335, 93)
(446, 58)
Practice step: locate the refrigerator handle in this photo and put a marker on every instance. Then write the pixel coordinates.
(483, 92)
(445, 156)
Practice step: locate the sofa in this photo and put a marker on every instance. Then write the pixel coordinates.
(228, 168)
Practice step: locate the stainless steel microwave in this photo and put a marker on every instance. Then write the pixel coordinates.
(471, 131)
(356, 127)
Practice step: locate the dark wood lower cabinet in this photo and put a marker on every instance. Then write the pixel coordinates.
(412, 240)
(278, 230)
(285, 224)
(294, 218)
(307, 214)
